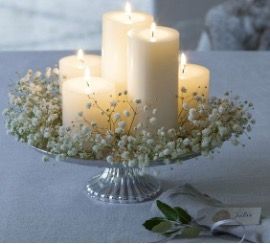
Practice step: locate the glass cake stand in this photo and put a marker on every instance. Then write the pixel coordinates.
(119, 183)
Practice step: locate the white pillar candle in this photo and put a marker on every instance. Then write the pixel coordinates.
(74, 66)
(114, 43)
(76, 95)
(153, 71)
(193, 81)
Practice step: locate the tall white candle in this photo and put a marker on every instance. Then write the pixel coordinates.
(76, 94)
(193, 82)
(153, 71)
(114, 43)
(74, 66)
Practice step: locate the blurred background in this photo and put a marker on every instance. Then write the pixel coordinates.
(71, 24)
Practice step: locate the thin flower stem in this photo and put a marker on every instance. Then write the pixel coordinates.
(134, 117)
(132, 122)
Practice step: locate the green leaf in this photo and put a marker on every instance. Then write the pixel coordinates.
(182, 215)
(171, 233)
(151, 223)
(162, 227)
(167, 211)
(190, 232)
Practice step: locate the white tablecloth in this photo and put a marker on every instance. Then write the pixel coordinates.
(45, 202)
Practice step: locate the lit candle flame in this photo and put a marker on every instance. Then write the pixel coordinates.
(80, 55)
(153, 30)
(183, 62)
(128, 10)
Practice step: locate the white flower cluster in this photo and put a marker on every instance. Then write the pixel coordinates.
(34, 117)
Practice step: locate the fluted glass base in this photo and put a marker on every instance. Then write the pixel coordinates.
(123, 185)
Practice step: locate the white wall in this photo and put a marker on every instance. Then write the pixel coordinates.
(73, 24)
(56, 24)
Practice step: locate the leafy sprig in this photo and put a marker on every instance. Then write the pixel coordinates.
(174, 222)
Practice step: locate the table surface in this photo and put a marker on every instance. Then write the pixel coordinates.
(45, 202)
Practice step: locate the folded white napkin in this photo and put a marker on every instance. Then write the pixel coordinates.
(195, 203)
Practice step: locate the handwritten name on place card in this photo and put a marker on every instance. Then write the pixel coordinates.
(246, 216)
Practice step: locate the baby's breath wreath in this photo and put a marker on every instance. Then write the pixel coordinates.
(34, 116)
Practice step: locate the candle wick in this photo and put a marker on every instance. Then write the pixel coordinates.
(183, 68)
(81, 63)
(129, 17)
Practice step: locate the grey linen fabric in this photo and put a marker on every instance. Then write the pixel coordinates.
(46, 202)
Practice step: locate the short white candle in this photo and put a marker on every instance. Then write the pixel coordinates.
(114, 43)
(76, 95)
(74, 66)
(193, 81)
(153, 71)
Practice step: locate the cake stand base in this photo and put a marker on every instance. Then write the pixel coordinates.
(123, 185)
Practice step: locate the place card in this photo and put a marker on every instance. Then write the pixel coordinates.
(243, 215)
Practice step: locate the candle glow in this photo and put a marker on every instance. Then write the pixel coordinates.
(74, 66)
(77, 93)
(193, 81)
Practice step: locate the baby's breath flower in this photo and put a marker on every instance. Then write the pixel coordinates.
(5, 111)
(34, 117)
(45, 159)
(56, 71)
(122, 124)
(109, 159)
(253, 121)
(150, 141)
(132, 163)
(186, 142)
(138, 101)
(139, 126)
(152, 120)
(126, 113)
(131, 139)
(116, 116)
(37, 74)
(171, 132)
(205, 142)
(119, 130)
(145, 108)
(185, 106)
(48, 72)
(184, 90)
(113, 103)
(125, 155)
